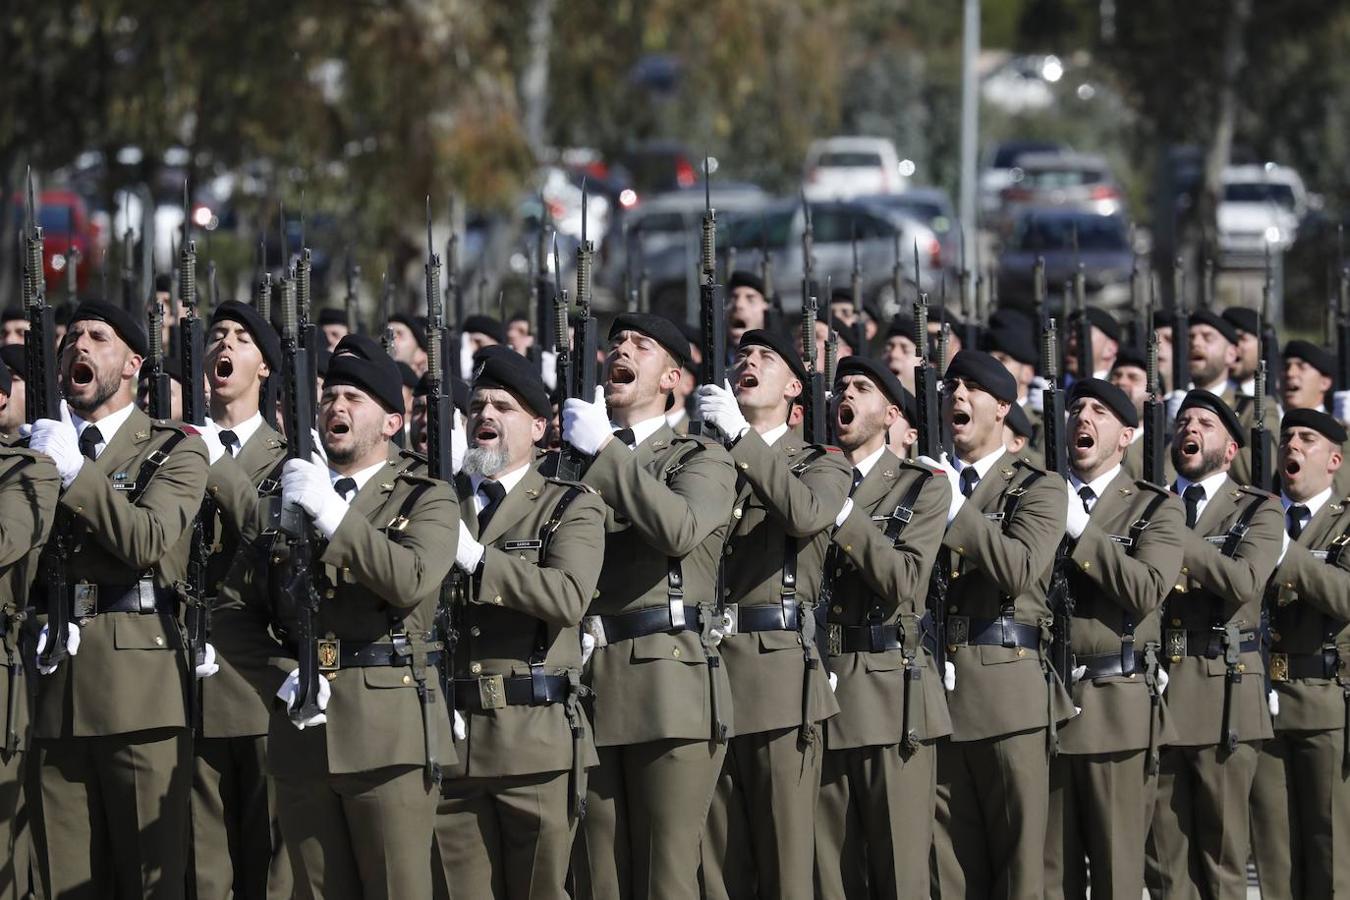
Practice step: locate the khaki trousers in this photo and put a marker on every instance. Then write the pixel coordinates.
(15, 837)
(236, 839)
(506, 838)
(1100, 807)
(1200, 838)
(112, 816)
(874, 827)
(760, 837)
(363, 836)
(992, 809)
(646, 808)
(1301, 816)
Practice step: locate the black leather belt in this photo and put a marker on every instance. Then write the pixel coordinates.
(863, 638)
(769, 617)
(1289, 666)
(1000, 632)
(334, 654)
(1208, 643)
(498, 691)
(642, 622)
(144, 597)
(1109, 665)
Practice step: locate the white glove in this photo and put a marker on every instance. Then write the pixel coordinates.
(210, 434)
(26, 429)
(949, 675)
(834, 682)
(72, 645)
(946, 468)
(1077, 517)
(1340, 406)
(459, 443)
(305, 483)
(843, 513)
(1174, 404)
(585, 425)
(1036, 393)
(459, 727)
(1077, 674)
(718, 407)
(57, 439)
(469, 553)
(291, 687)
(209, 665)
(1273, 701)
(587, 647)
(1163, 679)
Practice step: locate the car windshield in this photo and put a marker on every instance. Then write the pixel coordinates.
(1260, 192)
(851, 159)
(745, 231)
(1094, 233)
(1060, 178)
(930, 213)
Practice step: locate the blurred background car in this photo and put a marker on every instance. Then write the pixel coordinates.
(840, 168)
(1103, 250)
(997, 173)
(1260, 205)
(1078, 181)
(928, 206)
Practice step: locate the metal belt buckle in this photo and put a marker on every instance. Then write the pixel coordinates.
(492, 692)
(145, 596)
(1174, 644)
(329, 651)
(84, 601)
(1279, 667)
(958, 630)
(731, 618)
(595, 627)
(834, 638)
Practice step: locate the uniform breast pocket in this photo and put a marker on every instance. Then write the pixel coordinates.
(770, 641)
(137, 632)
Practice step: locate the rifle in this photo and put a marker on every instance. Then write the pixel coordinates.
(571, 462)
(1155, 411)
(298, 417)
(859, 340)
(353, 272)
(191, 347)
(1181, 330)
(262, 302)
(43, 401)
(160, 395)
(926, 399)
(309, 332)
(1083, 326)
(808, 263)
(711, 309)
(1262, 468)
(129, 286)
(587, 340)
(814, 423)
(387, 307)
(1143, 313)
(1342, 315)
(439, 465)
(1207, 281)
(545, 327)
(1060, 596)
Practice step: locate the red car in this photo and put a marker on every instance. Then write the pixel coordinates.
(65, 224)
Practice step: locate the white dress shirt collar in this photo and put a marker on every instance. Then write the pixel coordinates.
(982, 465)
(1212, 484)
(507, 480)
(360, 477)
(1098, 485)
(1313, 503)
(245, 429)
(866, 464)
(645, 429)
(107, 426)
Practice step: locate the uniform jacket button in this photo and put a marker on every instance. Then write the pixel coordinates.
(475, 668)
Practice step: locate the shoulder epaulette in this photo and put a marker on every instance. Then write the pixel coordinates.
(917, 466)
(406, 453)
(562, 482)
(701, 440)
(1158, 488)
(1022, 462)
(173, 425)
(1255, 491)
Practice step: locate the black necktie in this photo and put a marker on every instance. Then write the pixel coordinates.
(969, 479)
(345, 487)
(1088, 496)
(1295, 515)
(625, 436)
(90, 438)
(857, 480)
(1193, 495)
(495, 493)
(229, 440)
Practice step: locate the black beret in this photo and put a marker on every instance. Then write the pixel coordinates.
(415, 324)
(841, 294)
(5, 381)
(881, 376)
(1212, 402)
(658, 328)
(1243, 318)
(1323, 423)
(13, 314)
(1016, 342)
(902, 325)
(1313, 355)
(1114, 398)
(986, 371)
(263, 333)
(512, 372)
(937, 315)
(1019, 423)
(481, 324)
(779, 345)
(332, 316)
(1132, 357)
(742, 278)
(126, 325)
(367, 368)
(1011, 317)
(1101, 320)
(1217, 322)
(406, 372)
(362, 345)
(15, 358)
